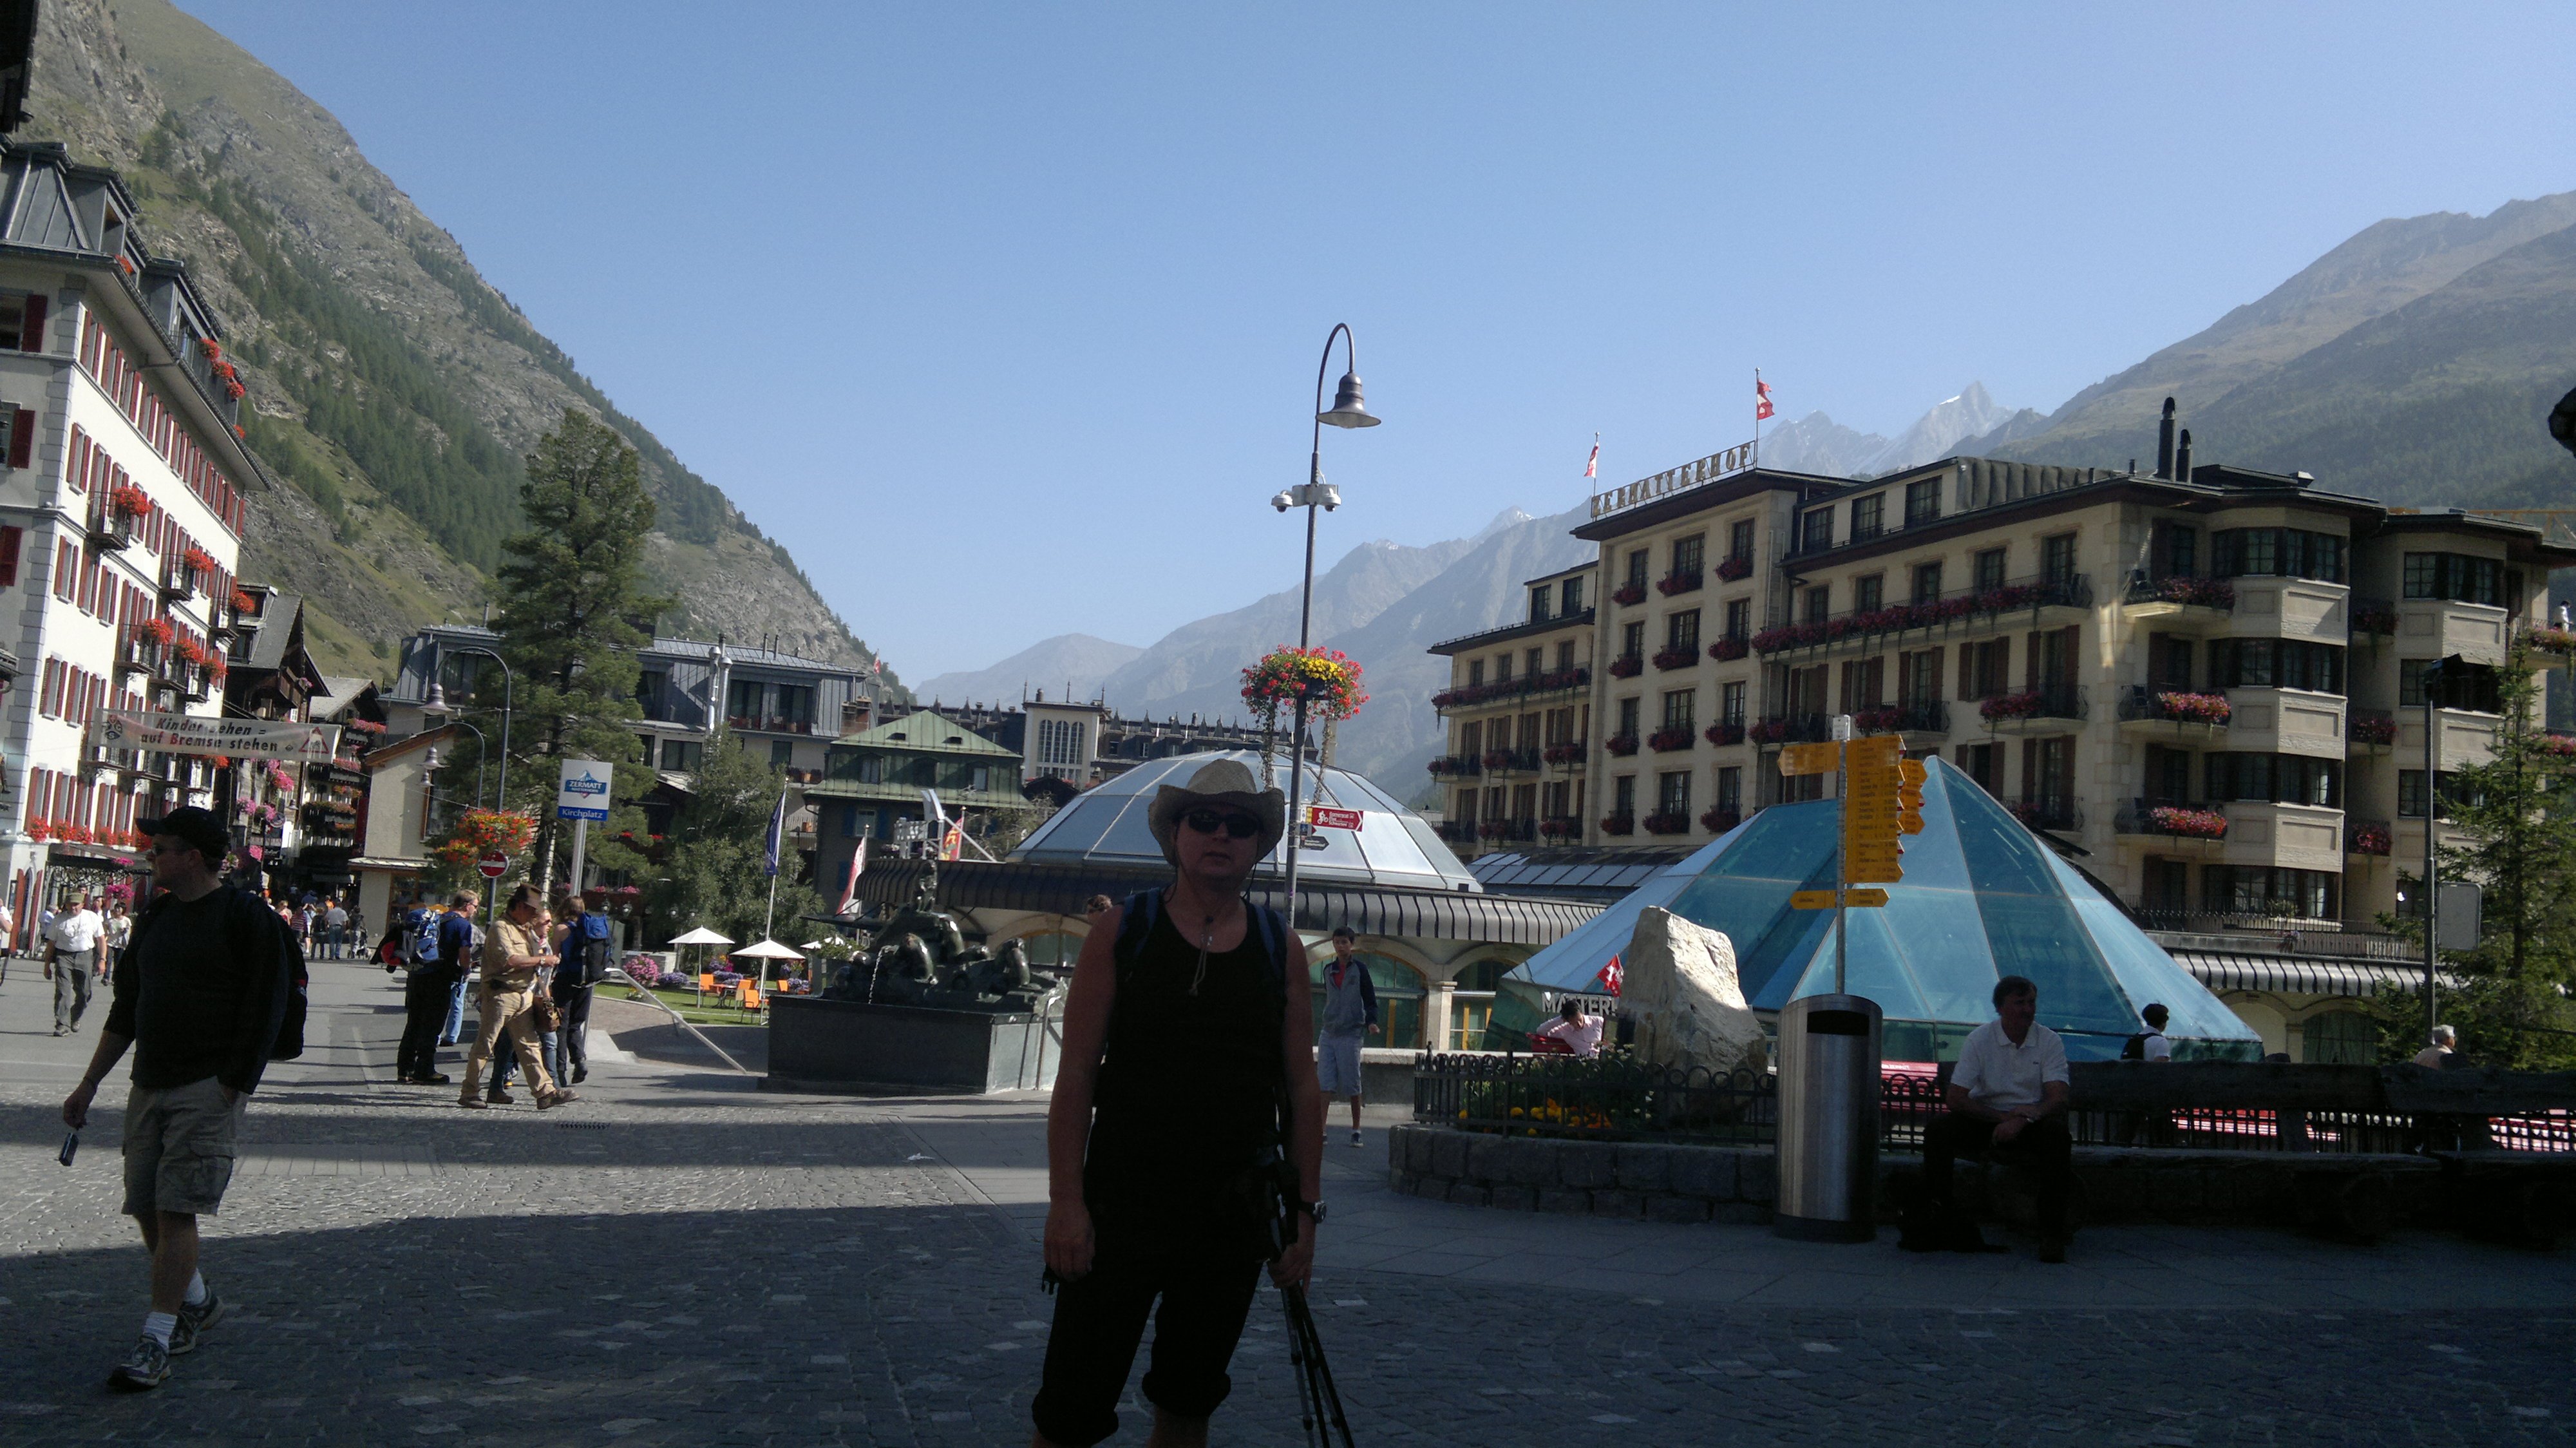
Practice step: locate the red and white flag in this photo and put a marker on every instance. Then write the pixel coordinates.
(1592, 465)
(849, 904)
(1761, 398)
(1611, 975)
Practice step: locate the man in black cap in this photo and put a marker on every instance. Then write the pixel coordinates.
(200, 993)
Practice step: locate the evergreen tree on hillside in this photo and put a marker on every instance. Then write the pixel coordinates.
(2515, 817)
(713, 872)
(571, 616)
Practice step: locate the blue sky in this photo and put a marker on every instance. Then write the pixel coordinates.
(1018, 306)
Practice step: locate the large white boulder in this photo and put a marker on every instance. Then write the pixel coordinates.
(1679, 986)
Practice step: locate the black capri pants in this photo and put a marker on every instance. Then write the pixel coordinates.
(1205, 1289)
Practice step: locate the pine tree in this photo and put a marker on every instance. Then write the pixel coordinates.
(572, 614)
(713, 872)
(2515, 818)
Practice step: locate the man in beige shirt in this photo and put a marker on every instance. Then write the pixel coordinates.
(513, 954)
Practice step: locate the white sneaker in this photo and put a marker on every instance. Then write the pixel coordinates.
(1355, 1136)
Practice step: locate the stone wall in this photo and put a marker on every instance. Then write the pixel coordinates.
(2353, 1196)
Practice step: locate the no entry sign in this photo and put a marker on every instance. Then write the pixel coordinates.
(494, 864)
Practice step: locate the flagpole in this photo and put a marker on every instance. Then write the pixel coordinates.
(1757, 417)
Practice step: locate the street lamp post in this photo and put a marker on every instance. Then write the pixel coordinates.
(1347, 411)
(436, 705)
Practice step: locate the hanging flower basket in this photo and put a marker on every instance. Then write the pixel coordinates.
(485, 829)
(1326, 679)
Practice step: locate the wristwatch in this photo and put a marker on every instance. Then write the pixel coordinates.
(1314, 1210)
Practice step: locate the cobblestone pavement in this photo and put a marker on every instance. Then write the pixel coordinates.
(678, 1259)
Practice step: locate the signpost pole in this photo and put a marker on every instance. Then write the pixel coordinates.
(1842, 844)
(580, 848)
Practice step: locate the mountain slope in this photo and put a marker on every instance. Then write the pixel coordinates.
(1070, 666)
(391, 388)
(1818, 444)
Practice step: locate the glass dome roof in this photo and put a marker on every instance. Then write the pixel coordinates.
(1981, 899)
(1105, 825)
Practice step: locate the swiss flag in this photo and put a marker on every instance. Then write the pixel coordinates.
(1611, 975)
(1761, 398)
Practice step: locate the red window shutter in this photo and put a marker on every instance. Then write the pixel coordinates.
(63, 572)
(31, 334)
(9, 540)
(22, 438)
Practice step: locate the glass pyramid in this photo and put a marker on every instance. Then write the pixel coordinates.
(1981, 899)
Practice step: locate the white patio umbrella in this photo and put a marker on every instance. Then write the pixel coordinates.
(765, 952)
(701, 936)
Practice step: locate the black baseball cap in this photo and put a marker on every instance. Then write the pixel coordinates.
(199, 827)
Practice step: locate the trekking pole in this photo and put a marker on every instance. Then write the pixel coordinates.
(1315, 1375)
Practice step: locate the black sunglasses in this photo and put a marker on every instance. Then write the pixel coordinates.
(1208, 822)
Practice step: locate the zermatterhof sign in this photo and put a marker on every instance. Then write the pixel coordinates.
(231, 738)
(1672, 480)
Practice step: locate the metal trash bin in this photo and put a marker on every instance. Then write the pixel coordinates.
(1829, 1048)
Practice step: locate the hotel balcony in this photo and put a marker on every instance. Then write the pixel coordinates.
(2371, 732)
(1511, 761)
(2287, 721)
(2178, 603)
(2028, 603)
(2173, 715)
(1791, 729)
(2167, 828)
(2056, 710)
(2293, 836)
(1458, 766)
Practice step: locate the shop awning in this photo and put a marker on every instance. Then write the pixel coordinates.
(2293, 974)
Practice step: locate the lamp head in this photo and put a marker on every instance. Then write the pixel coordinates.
(436, 703)
(1348, 410)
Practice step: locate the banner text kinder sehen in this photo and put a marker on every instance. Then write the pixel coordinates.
(285, 740)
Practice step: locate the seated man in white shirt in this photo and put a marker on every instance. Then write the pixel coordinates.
(1580, 1033)
(2009, 1089)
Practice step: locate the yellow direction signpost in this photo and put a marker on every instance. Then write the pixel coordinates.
(1882, 800)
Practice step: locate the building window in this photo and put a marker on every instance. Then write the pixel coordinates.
(2057, 558)
(2177, 549)
(1739, 539)
(2268, 892)
(2274, 778)
(2453, 576)
(1565, 656)
(2471, 687)
(1730, 788)
(1681, 631)
(1869, 593)
(648, 693)
(2340, 1038)
(1632, 639)
(1538, 604)
(1475, 672)
(1989, 568)
(682, 755)
(1922, 502)
(1502, 668)
(1690, 555)
(2272, 663)
(1820, 602)
(1730, 703)
(1061, 744)
(1570, 596)
(2410, 794)
(1984, 669)
(2276, 553)
(1623, 794)
(1399, 997)
(1677, 709)
(2168, 885)
(1927, 582)
(1739, 618)
(1984, 764)
(1637, 568)
(1918, 677)
(1672, 792)
(1534, 662)
(1816, 531)
(1869, 516)
(782, 752)
(1628, 718)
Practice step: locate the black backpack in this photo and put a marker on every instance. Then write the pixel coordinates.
(2134, 1048)
(248, 914)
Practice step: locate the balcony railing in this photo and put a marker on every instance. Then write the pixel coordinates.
(2048, 814)
(1621, 745)
(1967, 607)
(2173, 821)
(2034, 707)
(1718, 820)
(2175, 706)
(1503, 832)
(1791, 729)
(1458, 832)
(1552, 682)
(1923, 716)
(1560, 827)
(2217, 593)
(1726, 732)
(1730, 648)
(768, 724)
(1569, 753)
(1511, 761)
(1458, 766)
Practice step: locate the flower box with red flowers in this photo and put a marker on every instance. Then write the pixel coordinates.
(1618, 824)
(128, 501)
(1570, 752)
(2187, 823)
(2548, 640)
(1559, 829)
(1665, 741)
(197, 559)
(1667, 824)
(2011, 706)
(2558, 746)
(1768, 731)
(1719, 821)
(1627, 666)
(2194, 708)
(1498, 759)
(1733, 567)
(1725, 733)
(1628, 593)
(1622, 745)
(1676, 658)
(2195, 592)
(2375, 729)
(1491, 829)
(1728, 649)
(1882, 720)
(2371, 840)
(1677, 583)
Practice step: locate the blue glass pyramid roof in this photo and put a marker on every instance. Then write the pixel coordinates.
(1982, 898)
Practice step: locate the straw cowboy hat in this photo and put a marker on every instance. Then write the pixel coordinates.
(1219, 782)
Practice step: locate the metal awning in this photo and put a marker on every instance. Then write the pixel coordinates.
(2294, 974)
(1369, 909)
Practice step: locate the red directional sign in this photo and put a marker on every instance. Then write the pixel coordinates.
(494, 864)
(1333, 819)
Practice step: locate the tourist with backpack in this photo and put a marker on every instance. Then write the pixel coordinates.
(2149, 1044)
(1187, 1088)
(586, 957)
(438, 969)
(208, 993)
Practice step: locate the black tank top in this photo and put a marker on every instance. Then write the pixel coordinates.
(1187, 1090)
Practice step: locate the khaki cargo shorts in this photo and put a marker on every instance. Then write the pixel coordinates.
(179, 1147)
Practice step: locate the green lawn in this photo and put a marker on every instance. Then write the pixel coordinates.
(687, 1004)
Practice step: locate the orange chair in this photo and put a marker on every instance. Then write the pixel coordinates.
(751, 998)
(706, 984)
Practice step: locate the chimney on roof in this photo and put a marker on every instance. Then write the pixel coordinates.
(2165, 442)
(2182, 456)
(854, 715)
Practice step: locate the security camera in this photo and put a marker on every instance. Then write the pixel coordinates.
(1281, 501)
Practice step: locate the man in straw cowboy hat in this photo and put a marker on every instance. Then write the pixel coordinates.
(1188, 1052)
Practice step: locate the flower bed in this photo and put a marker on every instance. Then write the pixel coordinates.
(1675, 658)
(1677, 583)
(1733, 567)
(2194, 708)
(1667, 824)
(1726, 732)
(1628, 593)
(2187, 822)
(2011, 706)
(1665, 741)
(1618, 824)
(1729, 649)
(1622, 745)
(1627, 666)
